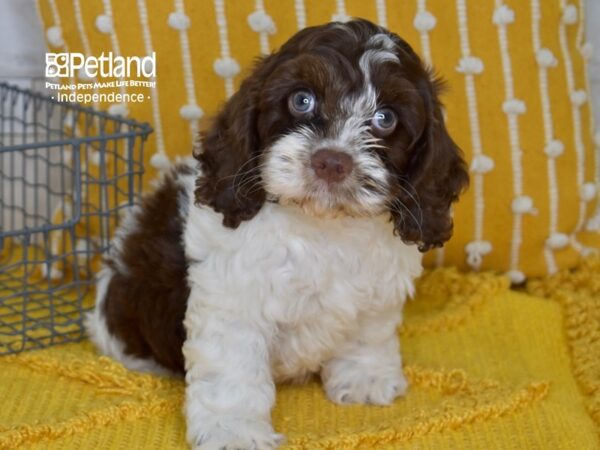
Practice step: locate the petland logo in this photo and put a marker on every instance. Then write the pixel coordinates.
(101, 79)
(67, 65)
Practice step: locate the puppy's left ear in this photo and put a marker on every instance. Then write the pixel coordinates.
(435, 177)
(230, 182)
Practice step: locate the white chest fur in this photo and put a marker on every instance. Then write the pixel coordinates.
(304, 282)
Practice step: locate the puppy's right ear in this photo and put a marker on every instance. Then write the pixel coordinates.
(230, 182)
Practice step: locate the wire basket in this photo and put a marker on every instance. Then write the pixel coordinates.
(67, 175)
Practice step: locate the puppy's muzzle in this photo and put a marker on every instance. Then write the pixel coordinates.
(332, 166)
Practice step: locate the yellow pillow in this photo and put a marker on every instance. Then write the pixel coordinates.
(518, 102)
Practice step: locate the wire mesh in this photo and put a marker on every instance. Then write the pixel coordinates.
(67, 175)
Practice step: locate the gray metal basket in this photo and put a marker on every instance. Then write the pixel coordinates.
(67, 175)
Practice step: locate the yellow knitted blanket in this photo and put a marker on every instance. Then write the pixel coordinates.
(489, 368)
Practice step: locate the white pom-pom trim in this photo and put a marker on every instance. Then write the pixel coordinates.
(475, 251)
(523, 205)
(589, 251)
(569, 16)
(54, 274)
(593, 223)
(118, 109)
(95, 158)
(557, 241)
(104, 24)
(82, 248)
(340, 18)
(587, 192)
(178, 21)
(148, 65)
(481, 247)
(482, 164)
(503, 15)
(470, 65)
(554, 149)
(226, 67)
(514, 106)
(545, 58)
(54, 36)
(516, 276)
(68, 209)
(69, 120)
(424, 21)
(261, 22)
(587, 50)
(578, 97)
(160, 161)
(191, 112)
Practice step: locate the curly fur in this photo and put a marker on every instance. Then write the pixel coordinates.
(246, 268)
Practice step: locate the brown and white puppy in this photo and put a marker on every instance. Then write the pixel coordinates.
(291, 247)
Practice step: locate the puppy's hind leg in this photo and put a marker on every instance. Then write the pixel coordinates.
(107, 343)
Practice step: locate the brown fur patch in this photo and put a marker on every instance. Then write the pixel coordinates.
(145, 307)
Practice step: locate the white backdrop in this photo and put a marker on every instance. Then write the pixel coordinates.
(22, 45)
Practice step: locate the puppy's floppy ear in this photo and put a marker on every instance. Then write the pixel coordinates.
(435, 177)
(230, 182)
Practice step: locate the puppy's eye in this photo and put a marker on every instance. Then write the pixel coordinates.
(301, 103)
(384, 122)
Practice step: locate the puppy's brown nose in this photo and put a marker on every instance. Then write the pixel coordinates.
(331, 165)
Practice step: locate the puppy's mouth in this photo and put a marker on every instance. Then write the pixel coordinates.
(331, 187)
(324, 180)
(329, 184)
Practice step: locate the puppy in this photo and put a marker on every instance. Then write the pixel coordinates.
(289, 247)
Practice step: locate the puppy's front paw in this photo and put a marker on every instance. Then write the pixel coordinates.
(366, 388)
(232, 433)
